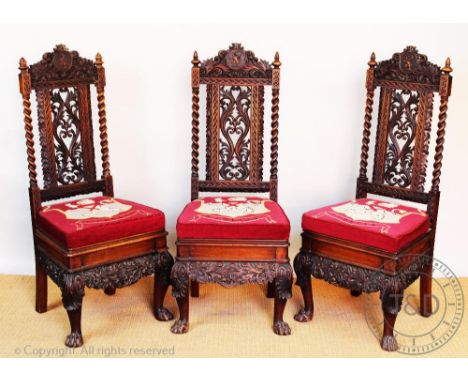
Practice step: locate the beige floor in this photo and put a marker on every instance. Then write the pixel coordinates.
(224, 323)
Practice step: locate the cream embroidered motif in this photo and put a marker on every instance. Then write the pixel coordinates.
(233, 207)
(89, 209)
(373, 211)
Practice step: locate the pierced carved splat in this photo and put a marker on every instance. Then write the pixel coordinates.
(234, 137)
(67, 135)
(400, 139)
(403, 138)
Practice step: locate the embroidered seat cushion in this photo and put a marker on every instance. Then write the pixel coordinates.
(233, 218)
(376, 223)
(98, 219)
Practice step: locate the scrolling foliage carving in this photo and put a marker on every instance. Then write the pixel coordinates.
(349, 276)
(234, 139)
(401, 138)
(66, 128)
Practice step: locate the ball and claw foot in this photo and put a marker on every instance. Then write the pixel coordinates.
(163, 314)
(304, 315)
(389, 343)
(180, 327)
(74, 340)
(281, 328)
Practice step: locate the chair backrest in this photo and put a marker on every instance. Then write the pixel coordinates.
(62, 81)
(407, 84)
(235, 86)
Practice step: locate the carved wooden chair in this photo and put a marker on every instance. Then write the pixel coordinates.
(232, 240)
(98, 241)
(368, 245)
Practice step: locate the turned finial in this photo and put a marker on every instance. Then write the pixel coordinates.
(98, 59)
(372, 61)
(277, 62)
(195, 60)
(447, 68)
(23, 65)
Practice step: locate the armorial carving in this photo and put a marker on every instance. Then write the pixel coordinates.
(62, 65)
(236, 62)
(409, 66)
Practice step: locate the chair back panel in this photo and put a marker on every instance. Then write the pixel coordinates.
(408, 83)
(62, 81)
(235, 85)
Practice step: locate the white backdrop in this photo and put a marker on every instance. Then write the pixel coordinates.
(149, 115)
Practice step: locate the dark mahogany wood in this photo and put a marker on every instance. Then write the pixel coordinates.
(407, 82)
(62, 82)
(234, 76)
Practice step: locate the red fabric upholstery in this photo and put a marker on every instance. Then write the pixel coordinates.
(376, 223)
(96, 220)
(233, 218)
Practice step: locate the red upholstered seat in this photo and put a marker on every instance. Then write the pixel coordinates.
(98, 219)
(233, 218)
(376, 223)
